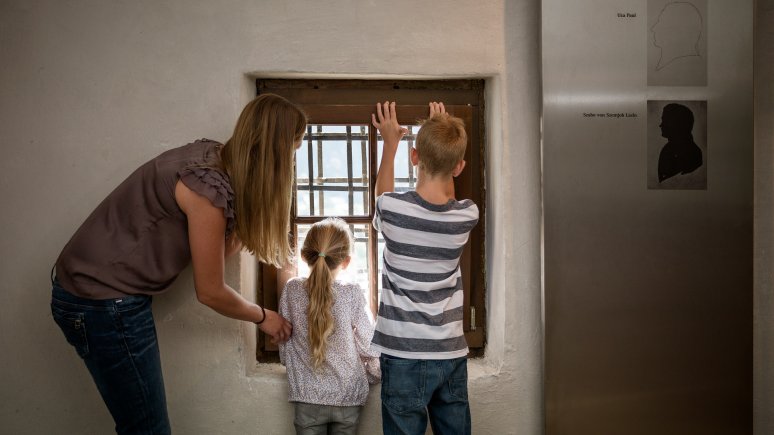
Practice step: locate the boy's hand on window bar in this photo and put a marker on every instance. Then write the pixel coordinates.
(437, 109)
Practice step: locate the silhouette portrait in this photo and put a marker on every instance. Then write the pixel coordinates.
(680, 155)
(680, 163)
(677, 43)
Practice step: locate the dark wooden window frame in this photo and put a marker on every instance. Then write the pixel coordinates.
(352, 102)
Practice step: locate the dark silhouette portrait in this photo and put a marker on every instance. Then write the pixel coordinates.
(680, 155)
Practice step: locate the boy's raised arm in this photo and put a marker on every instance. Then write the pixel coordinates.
(387, 122)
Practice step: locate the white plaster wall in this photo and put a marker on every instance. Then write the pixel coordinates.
(764, 219)
(91, 89)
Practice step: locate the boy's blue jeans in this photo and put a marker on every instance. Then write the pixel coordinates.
(413, 389)
(116, 338)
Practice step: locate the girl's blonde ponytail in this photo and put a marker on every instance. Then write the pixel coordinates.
(326, 246)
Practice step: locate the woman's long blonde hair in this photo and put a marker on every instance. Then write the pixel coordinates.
(327, 245)
(259, 162)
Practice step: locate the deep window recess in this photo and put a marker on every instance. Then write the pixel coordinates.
(336, 168)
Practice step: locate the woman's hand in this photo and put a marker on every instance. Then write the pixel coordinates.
(276, 326)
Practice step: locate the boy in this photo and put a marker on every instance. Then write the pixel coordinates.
(419, 324)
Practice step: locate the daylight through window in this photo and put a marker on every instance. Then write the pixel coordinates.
(336, 170)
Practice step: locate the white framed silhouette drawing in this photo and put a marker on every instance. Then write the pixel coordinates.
(677, 43)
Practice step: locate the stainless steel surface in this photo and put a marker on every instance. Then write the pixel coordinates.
(648, 292)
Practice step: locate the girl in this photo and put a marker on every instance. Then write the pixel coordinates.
(194, 204)
(328, 363)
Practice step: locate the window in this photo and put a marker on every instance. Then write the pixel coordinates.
(336, 169)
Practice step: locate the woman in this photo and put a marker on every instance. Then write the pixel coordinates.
(195, 204)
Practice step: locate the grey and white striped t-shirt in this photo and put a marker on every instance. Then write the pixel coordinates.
(420, 313)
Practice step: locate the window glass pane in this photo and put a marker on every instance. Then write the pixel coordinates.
(303, 202)
(360, 202)
(333, 203)
(360, 166)
(405, 173)
(357, 271)
(335, 128)
(302, 162)
(332, 171)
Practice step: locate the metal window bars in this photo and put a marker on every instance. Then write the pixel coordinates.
(356, 186)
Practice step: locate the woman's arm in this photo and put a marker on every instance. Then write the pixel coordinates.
(206, 229)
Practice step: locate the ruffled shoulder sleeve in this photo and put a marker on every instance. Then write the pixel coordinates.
(213, 185)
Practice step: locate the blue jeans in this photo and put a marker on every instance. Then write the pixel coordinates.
(116, 338)
(413, 389)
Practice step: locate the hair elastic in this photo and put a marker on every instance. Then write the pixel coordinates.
(321, 254)
(263, 311)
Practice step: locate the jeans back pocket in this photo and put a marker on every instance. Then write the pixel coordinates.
(73, 325)
(403, 384)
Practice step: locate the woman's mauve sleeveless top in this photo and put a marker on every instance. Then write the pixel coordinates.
(136, 240)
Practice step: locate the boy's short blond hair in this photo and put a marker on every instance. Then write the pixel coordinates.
(441, 143)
